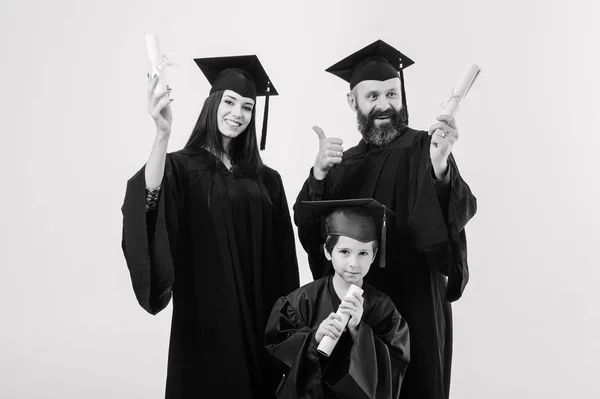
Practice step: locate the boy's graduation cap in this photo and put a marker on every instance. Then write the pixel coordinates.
(377, 61)
(361, 224)
(243, 74)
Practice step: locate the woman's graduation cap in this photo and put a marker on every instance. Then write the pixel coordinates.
(377, 61)
(361, 224)
(243, 74)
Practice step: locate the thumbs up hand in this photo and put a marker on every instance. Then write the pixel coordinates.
(330, 153)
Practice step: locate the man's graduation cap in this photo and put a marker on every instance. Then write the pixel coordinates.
(377, 61)
(243, 74)
(361, 224)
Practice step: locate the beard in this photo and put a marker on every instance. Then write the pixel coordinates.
(382, 135)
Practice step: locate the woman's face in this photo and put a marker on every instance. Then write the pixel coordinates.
(234, 114)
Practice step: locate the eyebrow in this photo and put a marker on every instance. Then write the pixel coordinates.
(358, 249)
(233, 98)
(367, 94)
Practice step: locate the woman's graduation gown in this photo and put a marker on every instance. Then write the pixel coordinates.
(223, 248)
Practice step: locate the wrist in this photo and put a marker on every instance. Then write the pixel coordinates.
(319, 173)
(353, 332)
(162, 136)
(440, 169)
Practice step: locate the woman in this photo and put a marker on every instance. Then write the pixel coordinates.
(210, 226)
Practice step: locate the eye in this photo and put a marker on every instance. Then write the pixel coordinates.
(364, 253)
(249, 109)
(392, 94)
(228, 102)
(344, 251)
(371, 96)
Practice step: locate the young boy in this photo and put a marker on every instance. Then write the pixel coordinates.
(371, 355)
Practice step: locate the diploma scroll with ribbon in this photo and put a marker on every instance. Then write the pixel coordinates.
(327, 344)
(451, 105)
(158, 62)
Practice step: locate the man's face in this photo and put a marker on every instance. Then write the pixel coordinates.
(380, 114)
(376, 95)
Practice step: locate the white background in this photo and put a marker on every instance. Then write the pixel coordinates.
(75, 127)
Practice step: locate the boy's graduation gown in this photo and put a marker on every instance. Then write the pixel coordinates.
(426, 257)
(370, 368)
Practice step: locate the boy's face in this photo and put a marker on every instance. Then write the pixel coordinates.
(351, 259)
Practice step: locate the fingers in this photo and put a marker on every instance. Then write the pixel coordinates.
(319, 132)
(349, 308)
(440, 128)
(152, 81)
(335, 316)
(356, 299)
(330, 331)
(159, 101)
(333, 321)
(359, 297)
(351, 299)
(449, 119)
(164, 102)
(158, 96)
(334, 154)
(326, 145)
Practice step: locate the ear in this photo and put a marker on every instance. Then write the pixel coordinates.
(352, 101)
(374, 255)
(327, 254)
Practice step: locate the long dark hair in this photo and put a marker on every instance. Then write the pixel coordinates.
(243, 150)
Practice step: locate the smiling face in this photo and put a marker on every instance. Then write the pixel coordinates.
(351, 258)
(234, 114)
(380, 113)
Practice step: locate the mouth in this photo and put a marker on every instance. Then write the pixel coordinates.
(383, 118)
(353, 273)
(233, 123)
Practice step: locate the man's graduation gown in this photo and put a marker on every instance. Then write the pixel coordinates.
(426, 244)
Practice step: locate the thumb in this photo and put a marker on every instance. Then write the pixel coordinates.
(319, 132)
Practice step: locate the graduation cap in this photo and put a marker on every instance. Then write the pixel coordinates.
(243, 74)
(377, 61)
(360, 224)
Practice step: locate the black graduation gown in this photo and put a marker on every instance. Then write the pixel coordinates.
(372, 367)
(225, 251)
(426, 251)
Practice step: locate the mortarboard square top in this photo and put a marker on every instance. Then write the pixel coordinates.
(243, 74)
(361, 224)
(377, 61)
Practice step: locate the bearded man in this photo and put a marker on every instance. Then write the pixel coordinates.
(414, 174)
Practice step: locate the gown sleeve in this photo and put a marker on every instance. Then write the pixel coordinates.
(149, 240)
(437, 224)
(292, 344)
(309, 224)
(285, 242)
(377, 360)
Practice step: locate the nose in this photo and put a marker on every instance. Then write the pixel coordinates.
(236, 111)
(353, 262)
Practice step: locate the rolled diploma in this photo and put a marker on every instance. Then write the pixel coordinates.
(327, 344)
(155, 57)
(461, 90)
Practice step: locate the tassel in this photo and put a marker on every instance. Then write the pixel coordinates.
(383, 239)
(401, 75)
(263, 138)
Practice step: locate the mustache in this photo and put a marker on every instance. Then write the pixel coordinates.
(388, 113)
